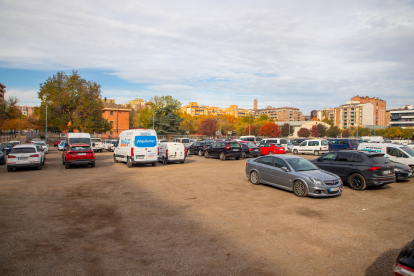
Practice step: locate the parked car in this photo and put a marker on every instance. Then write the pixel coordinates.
(15, 143)
(36, 140)
(2, 156)
(24, 156)
(113, 144)
(293, 173)
(62, 145)
(224, 150)
(342, 144)
(107, 144)
(404, 264)
(57, 142)
(43, 145)
(315, 147)
(78, 154)
(402, 172)
(280, 141)
(358, 168)
(97, 144)
(251, 138)
(199, 147)
(268, 148)
(297, 142)
(7, 147)
(249, 149)
(171, 152)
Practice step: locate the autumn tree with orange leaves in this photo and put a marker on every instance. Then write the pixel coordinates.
(270, 130)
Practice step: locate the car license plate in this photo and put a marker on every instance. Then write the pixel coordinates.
(236, 150)
(334, 189)
(256, 150)
(386, 172)
(22, 158)
(81, 153)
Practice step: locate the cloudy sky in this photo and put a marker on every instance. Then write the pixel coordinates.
(305, 54)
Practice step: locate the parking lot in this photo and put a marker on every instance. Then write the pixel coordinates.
(202, 217)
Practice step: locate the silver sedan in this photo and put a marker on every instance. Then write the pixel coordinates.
(295, 174)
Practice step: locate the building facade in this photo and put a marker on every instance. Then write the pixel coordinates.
(194, 109)
(117, 116)
(379, 111)
(401, 117)
(137, 104)
(280, 114)
(2, 91)
(26, 110)
(354, 115)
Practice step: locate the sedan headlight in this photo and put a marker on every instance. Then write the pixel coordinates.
(316, 181)
(397, 170)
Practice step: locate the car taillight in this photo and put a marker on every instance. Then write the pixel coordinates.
(320, 148)
(400, 270)
(11, 156)
(246, 163)
(375, 168)
(132, 151)
(251, 149)
(166, 152)
(34, 155)
(227, 146)
(349, 145)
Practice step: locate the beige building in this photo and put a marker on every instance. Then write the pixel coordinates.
(353, 115)
(194, 109)
(280, 114)
(2, 91)
(235, 111)
(137, 104)
(379, 111)
(26, 110)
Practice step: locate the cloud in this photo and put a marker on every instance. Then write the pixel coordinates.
(306, 54)
(25, 97)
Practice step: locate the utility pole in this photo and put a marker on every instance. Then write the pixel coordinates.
(46, 124)
(249, 124)
(153, 118)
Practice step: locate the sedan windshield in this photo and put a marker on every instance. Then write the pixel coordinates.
(300, 164)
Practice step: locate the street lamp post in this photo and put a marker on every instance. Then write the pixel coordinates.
(46, 124)
(249, 124)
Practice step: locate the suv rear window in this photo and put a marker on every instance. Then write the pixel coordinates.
(185, 140)
(80, 148)
(23, 150)
(234, 145)
(379, 159)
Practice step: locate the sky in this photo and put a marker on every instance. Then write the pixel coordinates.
(304, 54)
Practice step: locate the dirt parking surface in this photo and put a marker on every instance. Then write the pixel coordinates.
(202, 217)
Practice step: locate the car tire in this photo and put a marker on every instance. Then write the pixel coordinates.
(189, 151)
(182, 162)
(270, 153)
(164, 161)
(63, 161)
(9, 169)
(255, 178)
(222, 156)
(115, 160)
(357, 182)
(93, 165)
(67, 165)
(244, 156)
(299, 189)
(154, 164)
(129, 162)
(206, 154)
(316, 153)
(295, 151)
(200, 153)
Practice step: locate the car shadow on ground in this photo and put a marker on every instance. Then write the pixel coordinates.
(383, 265)
(287, 191)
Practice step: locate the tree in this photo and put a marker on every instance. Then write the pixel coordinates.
(303, 132)
(314, 132)
(286, 131)
(264, 117)
(345, 133)
(270, 130)
(8, 109)
(73, 103)
(189, 124)
(322, 130)
(253, 130)
(208, 126)
(328, 121)
(163, 101)
(166, 121)
(333, 132)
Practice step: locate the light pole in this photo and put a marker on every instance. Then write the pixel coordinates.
(249, 124)
(46, 125)
(153, 118)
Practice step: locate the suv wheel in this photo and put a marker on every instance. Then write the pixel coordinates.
(200, 153)
(243, 155)
(295, 151)
(299, 189)
(206, 154)
(9, 169)
(222, 156)
(357, 182)
(255, 178)
(316, 152)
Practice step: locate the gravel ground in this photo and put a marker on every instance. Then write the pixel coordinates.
(202, 217)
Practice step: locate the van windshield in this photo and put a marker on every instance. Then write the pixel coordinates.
(410, 151)
(80, 141)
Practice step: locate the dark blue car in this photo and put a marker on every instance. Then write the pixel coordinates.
(343, 144)
(7, 147)
(2, 156)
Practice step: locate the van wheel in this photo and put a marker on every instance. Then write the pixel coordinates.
(129, 162)
(206, 154)
(182, 162)
(222, 156)
(154, 164)
(200, 153)
(295, 151)
(115, 160)
(357, 182)
(316, 153)
(164, 161)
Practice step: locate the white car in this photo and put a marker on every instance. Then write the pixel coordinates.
(43, 145)
(23, 156)
(61, 145)
(97, 144)
(315, 147)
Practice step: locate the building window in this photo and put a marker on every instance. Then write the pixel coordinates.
(111, 113)
(111, 123)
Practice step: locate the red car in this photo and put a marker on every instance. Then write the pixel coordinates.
(78, 154)
(268, 148)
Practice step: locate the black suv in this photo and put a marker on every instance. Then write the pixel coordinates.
(224, 150)
(249, 149)
(199, 147)
(359, 168)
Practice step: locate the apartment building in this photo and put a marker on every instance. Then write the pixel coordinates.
(26, 110)
(281, 113)
(401, 117)
(235, 111)
(194, 109)
(379, 111)
(117, 115)
(137, 104)
(354, 114)
(2, 91)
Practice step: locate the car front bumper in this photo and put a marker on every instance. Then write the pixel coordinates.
(325, 191)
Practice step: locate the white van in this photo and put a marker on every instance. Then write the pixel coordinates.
(314, 147)
(373, 139)
(97, 144)
(171, 152)
(398, 153)
(78, 138)
(185, 141)
(137, 146)
(251, 138)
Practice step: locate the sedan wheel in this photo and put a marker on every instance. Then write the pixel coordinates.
(206, 154)
(299, 189)
(222, 156)
(244, 155)
(255, 178)
(270, 153)
(357, 182)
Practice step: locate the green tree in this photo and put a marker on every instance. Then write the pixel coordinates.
(8, 109)
(285, 130)
(73, 103)
(328, 121)
(166, 121)
(333, 132)
(163, 101)
(264, 118)
(189, 124)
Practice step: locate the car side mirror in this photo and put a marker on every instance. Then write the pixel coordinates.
(285, 169)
